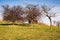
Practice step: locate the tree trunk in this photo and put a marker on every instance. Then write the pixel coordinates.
(33, 21)
(58, 25)
(50, 22)
(30, 21)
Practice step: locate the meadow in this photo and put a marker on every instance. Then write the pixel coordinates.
(29, 32)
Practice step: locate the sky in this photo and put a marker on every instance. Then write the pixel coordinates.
(55, 3)
(25, 2)
(17, 2)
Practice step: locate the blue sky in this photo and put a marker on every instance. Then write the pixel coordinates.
(25, 2)
(55, 3)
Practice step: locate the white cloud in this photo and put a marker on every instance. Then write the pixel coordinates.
(56, 9)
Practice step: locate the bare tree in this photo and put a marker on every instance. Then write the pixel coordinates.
(12, 14)
(46, 10)
(33, 13)
(57, 23)
(6, 11)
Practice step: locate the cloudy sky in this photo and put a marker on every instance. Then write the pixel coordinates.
(55, 3)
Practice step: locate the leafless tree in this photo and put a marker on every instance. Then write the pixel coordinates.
(46, 10)
(6, 11)
(57, 23)
(12, 14)
(33, 13)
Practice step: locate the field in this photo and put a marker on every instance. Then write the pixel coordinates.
(29, 32)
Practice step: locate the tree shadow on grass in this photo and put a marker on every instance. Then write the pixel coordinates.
(16, 24)
(20, 38)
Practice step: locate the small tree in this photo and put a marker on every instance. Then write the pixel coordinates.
(46, 10)
(57, 23)
(32, 13)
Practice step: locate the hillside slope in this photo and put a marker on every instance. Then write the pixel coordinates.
(29, 32)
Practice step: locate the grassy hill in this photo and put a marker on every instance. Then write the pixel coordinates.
(29, 32)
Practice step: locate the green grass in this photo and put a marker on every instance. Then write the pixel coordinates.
(29, 32)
